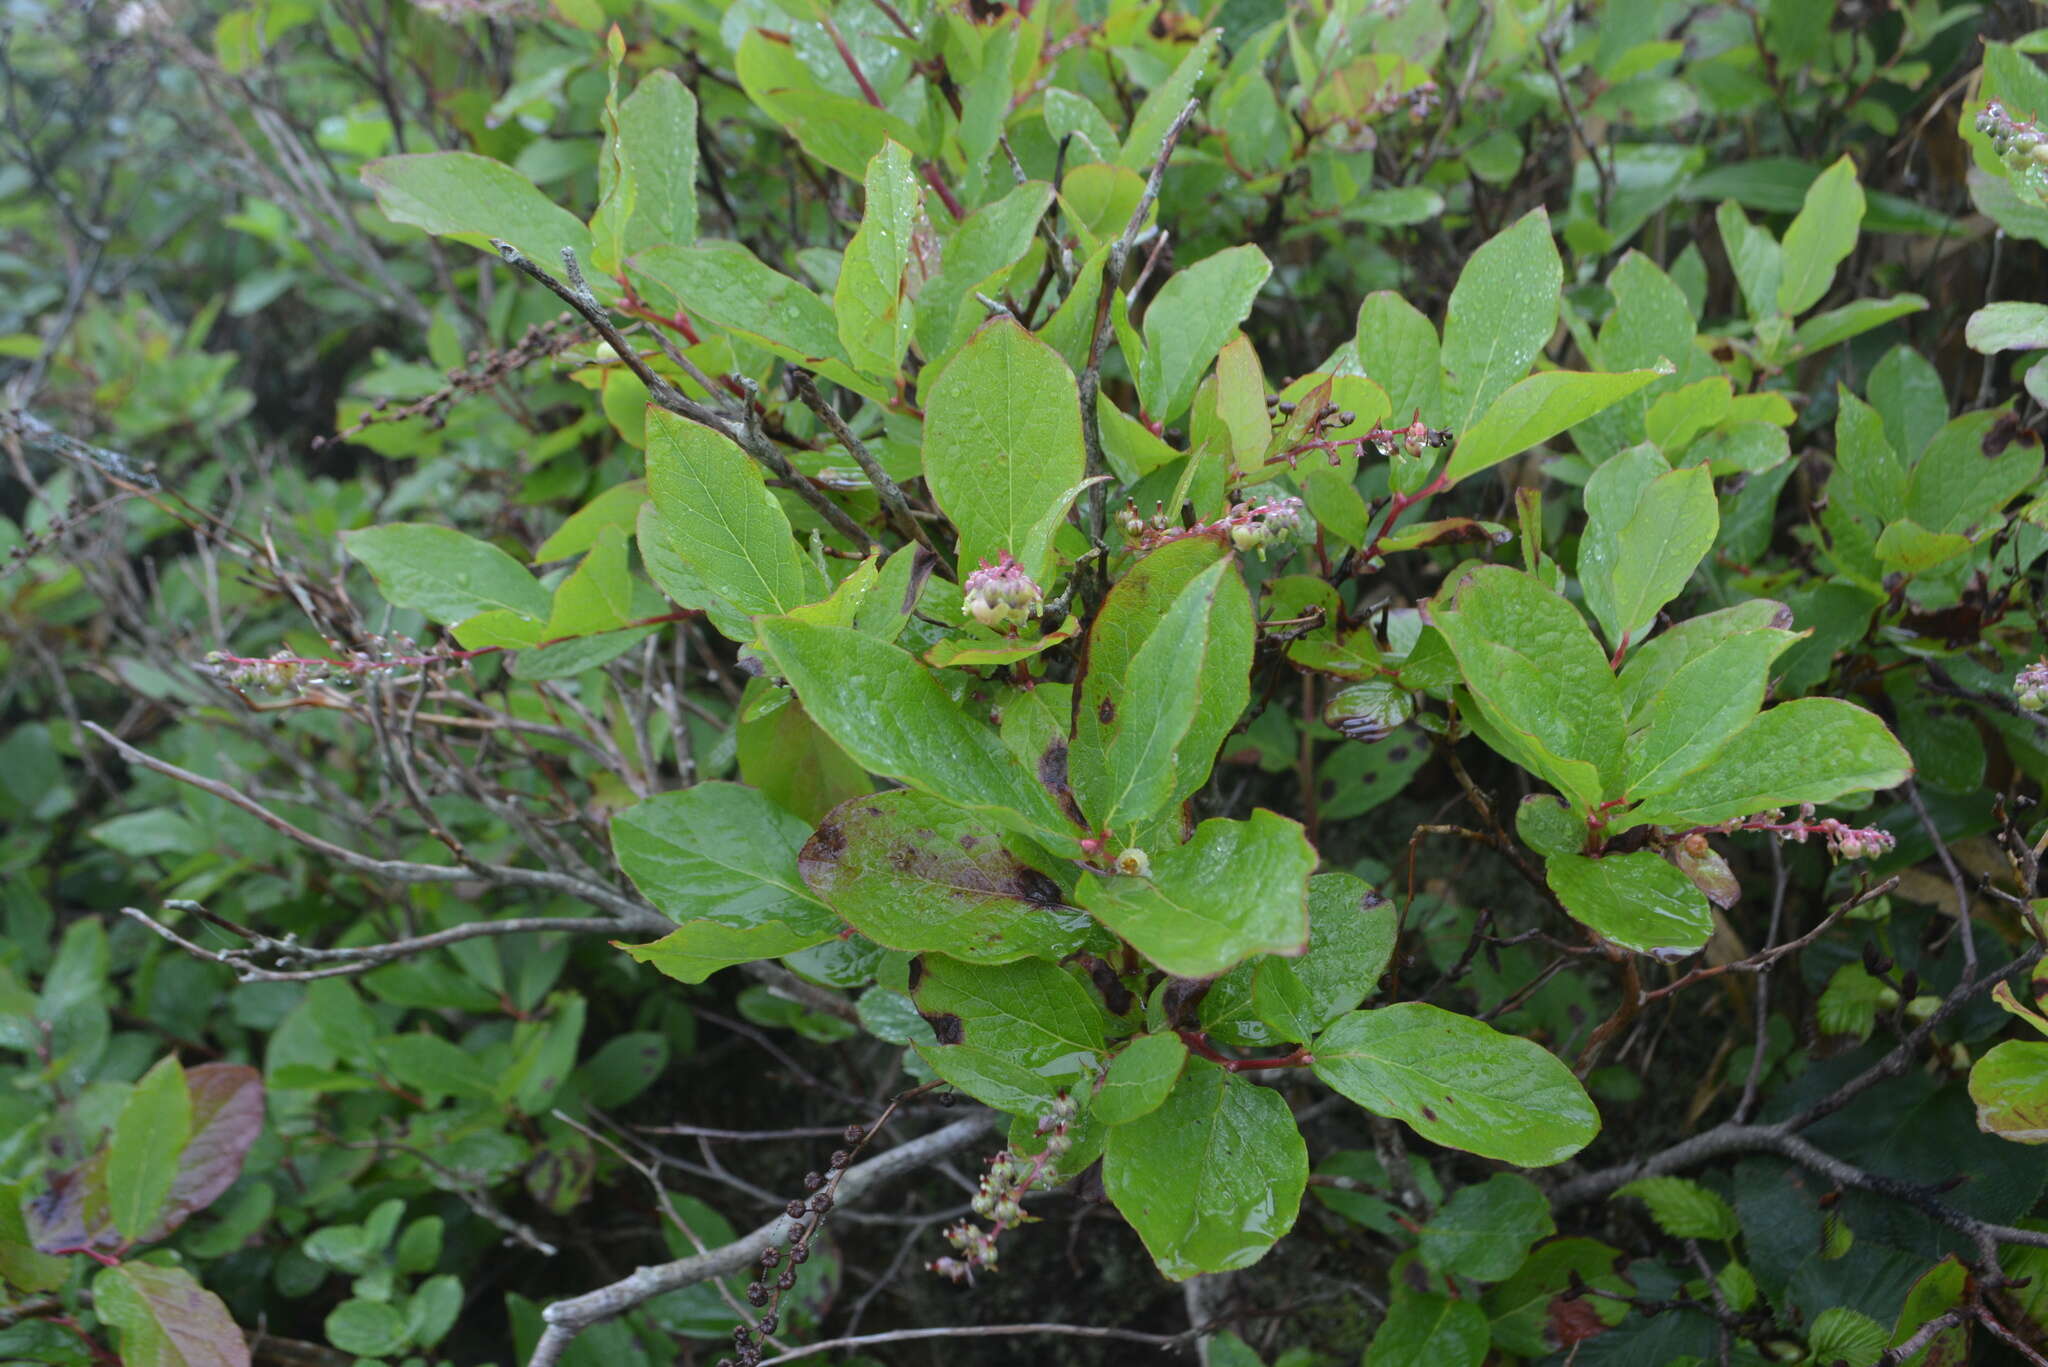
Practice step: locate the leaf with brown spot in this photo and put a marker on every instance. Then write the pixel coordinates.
(911, 872)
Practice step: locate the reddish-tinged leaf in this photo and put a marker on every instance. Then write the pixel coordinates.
(227, 1115)
(167, 1319)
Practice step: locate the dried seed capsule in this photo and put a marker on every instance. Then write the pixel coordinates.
(757, 1294)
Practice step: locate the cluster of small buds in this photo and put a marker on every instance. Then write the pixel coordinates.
(779, 1261)
(1253, 528)
(1002, 594)
(1843, 840)
(2019, 143)
(1423, 101)
(1417, 437)
(285, 672)
(2030, 686)
(1001, 1197)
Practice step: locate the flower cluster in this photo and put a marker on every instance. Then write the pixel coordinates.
(2019, 143)
(1001, 1198)
(285, 672)
(1253, 528)
(2030, 686)
(1002, 594)
(1843, 840)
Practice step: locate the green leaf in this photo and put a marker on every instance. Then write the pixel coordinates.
(1757, 258)
(719, 852)
(21, 1266)
(1126, 759)
(1698, 706)
(720, 519)
(598, 595)
(1002, 446)
(842, 130)
(1484, 1231)
(1961, 480)
(427, 1063)
(1638, 901)
(725, 284)
(1397, 347)
(1853, 319)
(167, 1319)
(474, 199)
(1238, 888)
(1821, 235)
(991, 241)
(618, 506)
(1842, 1335)
(1351, 935)
(697, 949)
(1808, 750)
(2010, 1086)
(1683, 1209)
(1532, 411)
(150, 1134)
(912, 872)
(1909, 547)
(366, 1328)
(1163, 105)
(1537, 678)
(1651, 668)
(653, 200)
(445, 575)
(872, 300)
(1013, 1037)
(1188, 322)
(1521, 1307)
(1213, 1177)
(1458, 1082)
(889, 713)
(1139, 1078)
(1423, 1329)
(1113, 717)
(2008, 327)
(1501, 313)
(1647, 529)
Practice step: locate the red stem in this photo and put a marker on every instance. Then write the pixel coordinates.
(868, 92)
(1198, 1044)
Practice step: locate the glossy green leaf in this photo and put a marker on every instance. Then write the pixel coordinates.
(1485, 1230)
(697, 949)
(719, 852)
(720, 519)
(1211, 689)
(1163, 105)
(1126, 762)
(598, 595)
(149, 1135)
(1139, 1078)
(165, 1318)
(989, 243)
(2008, 326)
(1238, 888)
(1532, 411)
(1459, 1083)
(1423, 1329)
(1647, 528)
(1537, 678)
(1002, 446)
(1198, 309)
(872, 300)
(445, 575)
(1758, 260)
(1637, 900)
(1397, 347)
(1351, 935)
(725, 284)
(889, 713)
(1853, 319)
(1697, 706)
(1964, 478)
(1821, 235)
(1014, 1036)
(1652, 666)
(1213, 1177)
(1807, 750)
(653, 198)
(912, 872)
(1501, 314)
(2010, 1086)
(474, 199)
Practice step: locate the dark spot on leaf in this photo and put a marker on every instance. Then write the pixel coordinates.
(1369, 777)
(1428, 1114)
(1450, 1101)
(1398, 753)
(968, 842)
(873, 811)
(916, 972)
(1052, 765)
(1106, 713)
(827, 842)
(1034, 886)
(1329, 789)
(945, 1026)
